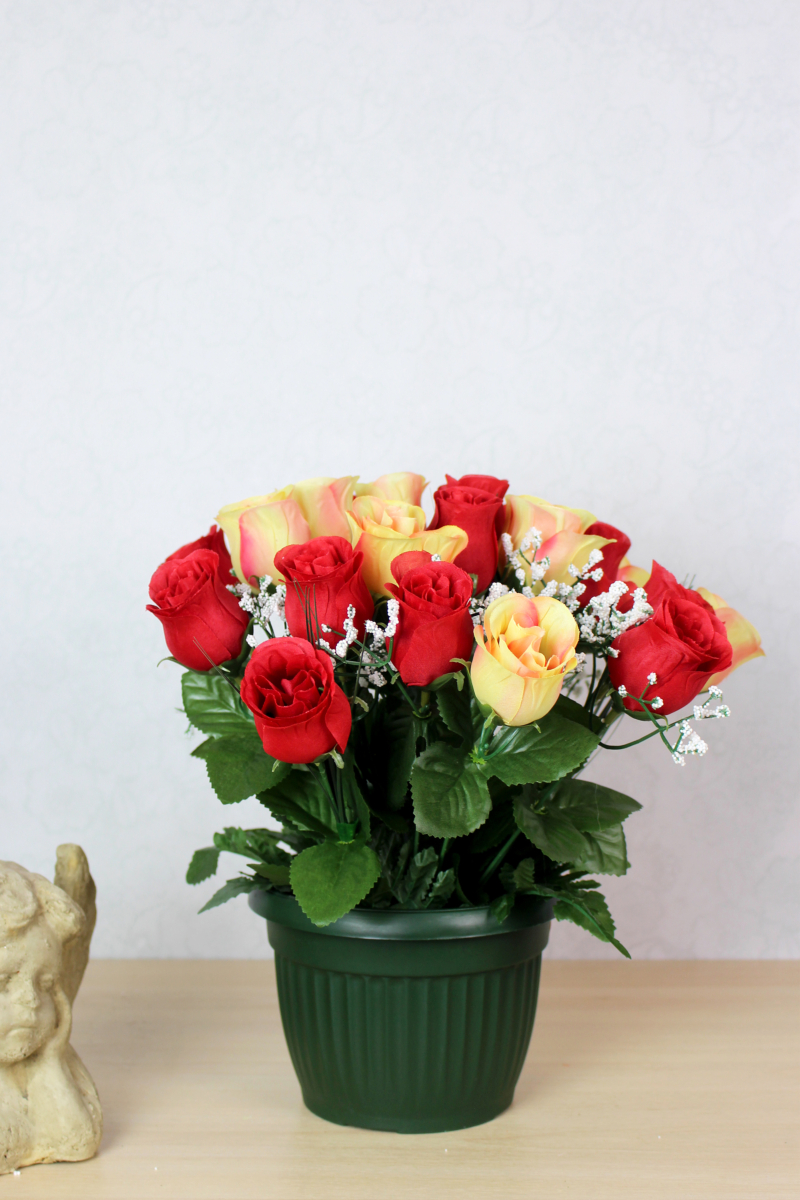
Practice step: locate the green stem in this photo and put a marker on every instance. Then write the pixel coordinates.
(498, 858)
(443, 850)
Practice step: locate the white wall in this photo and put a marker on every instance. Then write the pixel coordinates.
(242, 243)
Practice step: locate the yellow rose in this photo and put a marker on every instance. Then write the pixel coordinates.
(525, 648)
(744, 638)
(325, 502)
(382, 530)
(404, 486)
(258, 528)
(563, 538)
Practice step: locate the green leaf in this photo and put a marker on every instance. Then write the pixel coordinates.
(502, 906)
(276, 873)
(401, 730)
(590, 911)
(330, 879)
(573, 711)
(213, 705)
(234, 887)
(499, 826)
(353, 799)
(458, 713)
(442, 889)
(238, 766)
(418, 878)
(203, 865)
(451, 796)
(527, 754)
(302, 797)
(607, 852)
(554, 834)
(524, 875)
(591, 806)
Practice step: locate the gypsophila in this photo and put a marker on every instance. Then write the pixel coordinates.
(267, 608)
(601, 621)
(688, 743)
(350, 633)
(478, 607)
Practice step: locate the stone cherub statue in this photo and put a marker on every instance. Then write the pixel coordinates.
(49, 1110)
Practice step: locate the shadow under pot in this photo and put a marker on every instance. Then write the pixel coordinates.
(414, 1022)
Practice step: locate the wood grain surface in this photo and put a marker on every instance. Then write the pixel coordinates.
(644, 1080)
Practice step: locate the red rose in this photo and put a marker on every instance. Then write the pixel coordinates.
(213, 540)
(613, 555)
(300, 711)
(478, 510)
(487, 483)
(434, 622)
(202, 620)
(684, 643)
(323, 577)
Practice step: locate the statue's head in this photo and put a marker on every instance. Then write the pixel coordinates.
(36, 919)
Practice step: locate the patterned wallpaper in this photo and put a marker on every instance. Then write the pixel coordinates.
(248, 241)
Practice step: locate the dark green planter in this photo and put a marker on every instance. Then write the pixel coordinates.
(415, 1022)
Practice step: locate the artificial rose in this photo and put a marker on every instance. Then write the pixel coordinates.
(478, 511)
(525, 648)
(435, 625)
(203, 623)
(613, 552)
(324, 503)
(743, 637)
(258, 528)
(563, 530)
(382, 530)
(213, 540)
(299, 709)
(404, 486)
(684, 644)
(323, 578)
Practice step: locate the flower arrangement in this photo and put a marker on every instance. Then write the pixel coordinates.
(415, 702)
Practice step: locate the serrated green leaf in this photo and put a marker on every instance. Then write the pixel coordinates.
(590, 911)
(451, 797)
(203, 865)
(442, 889)
(239, 886)
(524, 875)
(213, 705)
(502, 906)
(328, 880)
(276, 873)
(413, 888)
(607, 854)
(458, 713)
(401, 732)
(592, 806)
(525, 754)
(553, 833)
(301, 796)
(238, 767)
(573, 711)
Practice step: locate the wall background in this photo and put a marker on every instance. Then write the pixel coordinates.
(243, 243)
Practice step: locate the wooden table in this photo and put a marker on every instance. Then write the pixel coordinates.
(644, 1079)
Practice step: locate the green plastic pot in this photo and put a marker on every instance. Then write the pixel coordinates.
(415, 1022)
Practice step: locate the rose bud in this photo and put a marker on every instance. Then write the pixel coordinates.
(435, 625)
(213, 540)
(300, 711)
(478, 512)
(525, 648)
(564, 537)
(382, 529)
(258, 528)
(203, 623)
(323, 578)
(743, 637)
(613, 552)
(486, 483)
(684, 644)
(324, 502)
(404, 486)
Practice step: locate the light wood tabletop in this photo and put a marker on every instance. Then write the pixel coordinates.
(644, 1080)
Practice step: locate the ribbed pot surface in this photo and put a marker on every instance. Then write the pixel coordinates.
(414, 1022)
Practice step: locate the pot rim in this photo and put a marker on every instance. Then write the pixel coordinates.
(405, 924)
